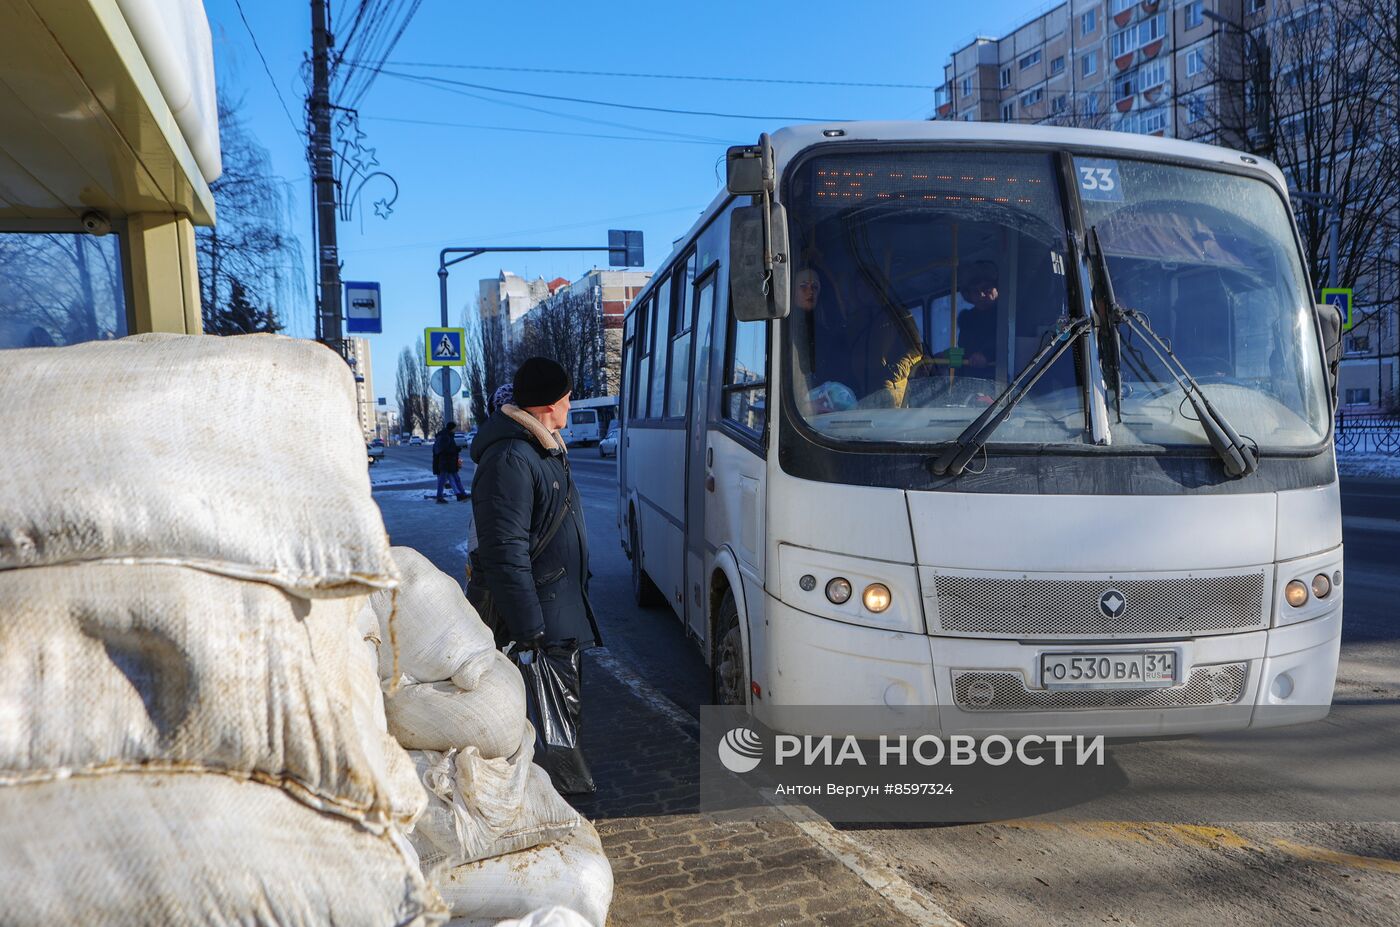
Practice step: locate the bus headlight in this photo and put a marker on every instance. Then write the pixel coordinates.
(1296, 593)
(876, 597)
(1321, 586)
(838, 591)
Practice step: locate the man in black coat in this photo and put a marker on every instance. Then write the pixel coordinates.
(531, 552)
(447, 460)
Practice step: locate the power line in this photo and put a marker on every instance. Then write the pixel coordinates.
(627, 74)
(552, 112)
(631, 106)
(467, 125)
(275, 89)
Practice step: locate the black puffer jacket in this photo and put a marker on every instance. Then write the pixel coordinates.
(521, 483)
(446, 457)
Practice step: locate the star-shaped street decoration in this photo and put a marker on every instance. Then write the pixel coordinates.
(364, 158)
(382, 209)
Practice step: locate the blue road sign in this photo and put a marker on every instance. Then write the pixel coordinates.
(443, 346)
(625, 248)
(362, 308)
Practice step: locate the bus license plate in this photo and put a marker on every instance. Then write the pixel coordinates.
(1146, 669)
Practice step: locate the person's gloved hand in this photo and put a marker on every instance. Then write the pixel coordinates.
(534, 642)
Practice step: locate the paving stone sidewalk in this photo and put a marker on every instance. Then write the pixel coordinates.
(675, 866)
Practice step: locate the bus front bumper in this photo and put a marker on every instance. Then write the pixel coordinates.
(901, 683)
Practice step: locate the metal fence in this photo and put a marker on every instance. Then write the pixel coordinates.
(1368, 434)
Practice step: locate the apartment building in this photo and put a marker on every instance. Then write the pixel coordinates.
(1145, 66)
(606, 294)
(357, 354)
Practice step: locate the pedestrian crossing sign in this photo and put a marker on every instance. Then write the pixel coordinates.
(443, 346)
(1341, 298)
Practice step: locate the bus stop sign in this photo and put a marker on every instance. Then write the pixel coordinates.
(362, 308)
(443, 346)
(625, 248)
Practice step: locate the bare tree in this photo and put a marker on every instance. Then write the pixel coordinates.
(251, 251)
(419, 408)
(1304, 93)
(489, 362)
(59, 288)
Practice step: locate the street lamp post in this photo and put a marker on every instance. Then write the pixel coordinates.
(1258, 53)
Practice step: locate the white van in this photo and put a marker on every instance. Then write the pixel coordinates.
(589, 420)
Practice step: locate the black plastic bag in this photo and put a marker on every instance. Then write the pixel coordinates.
(553, 677)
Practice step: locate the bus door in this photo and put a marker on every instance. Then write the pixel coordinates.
(697, 493)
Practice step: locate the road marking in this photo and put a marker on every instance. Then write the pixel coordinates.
(1337, 858)
(914, 904)
(1206, 837)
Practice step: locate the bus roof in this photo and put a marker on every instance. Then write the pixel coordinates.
(790, 141)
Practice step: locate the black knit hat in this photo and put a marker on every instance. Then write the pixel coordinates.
(539, 381)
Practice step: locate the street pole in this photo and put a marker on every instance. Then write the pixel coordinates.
(446, 377)
(323, 180)
(466, 253)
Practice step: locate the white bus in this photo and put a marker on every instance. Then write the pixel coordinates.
(1029, 426)
(589, 420)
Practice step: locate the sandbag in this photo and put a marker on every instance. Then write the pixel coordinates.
(405, 792)
(478, 808)
(440, 716)
(573, 873)
(239, 455)
(196, 849)
(435, 629)
(554, 916)
(107, 667)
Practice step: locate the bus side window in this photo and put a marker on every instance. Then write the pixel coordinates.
(642, 384)
(745, 375)
(659, 337)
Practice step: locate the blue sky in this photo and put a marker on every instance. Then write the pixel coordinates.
(486, 185)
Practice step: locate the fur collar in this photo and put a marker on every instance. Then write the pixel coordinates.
(549, 440)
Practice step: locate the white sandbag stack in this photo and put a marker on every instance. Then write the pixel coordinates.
(191, 730)
(495, 830)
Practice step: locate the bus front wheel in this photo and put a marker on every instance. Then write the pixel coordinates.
(644, 591)
(731, 679)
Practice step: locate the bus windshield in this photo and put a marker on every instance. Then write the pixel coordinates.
(923, 281)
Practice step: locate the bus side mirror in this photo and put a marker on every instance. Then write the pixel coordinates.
(758, 277)
(1329, 317)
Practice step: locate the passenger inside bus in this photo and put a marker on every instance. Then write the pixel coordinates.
(852, 355)
(977, 324)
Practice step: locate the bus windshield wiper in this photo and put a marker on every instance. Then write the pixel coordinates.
(955, 458)
(1240, 459)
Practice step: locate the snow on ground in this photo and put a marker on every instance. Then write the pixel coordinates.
(390, 473)
(1386, 466)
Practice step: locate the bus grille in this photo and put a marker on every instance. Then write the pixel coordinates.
(976, 690)
(1033, 607)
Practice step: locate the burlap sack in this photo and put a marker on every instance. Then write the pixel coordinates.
(242, 456)
(440, 716)
(105, 668)
(436, 630)
(573, 872)
(479, 808)
(197, 849)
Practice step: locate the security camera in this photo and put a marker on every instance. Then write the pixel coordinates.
(95, 223)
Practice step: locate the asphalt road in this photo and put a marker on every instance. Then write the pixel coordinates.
(1180, 857)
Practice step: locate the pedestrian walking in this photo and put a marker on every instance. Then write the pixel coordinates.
(529, 569)
(447, 460)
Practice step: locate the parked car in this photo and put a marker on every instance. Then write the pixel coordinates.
(462, 438)
(376, 450)
(415, 441)
(608, 446)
